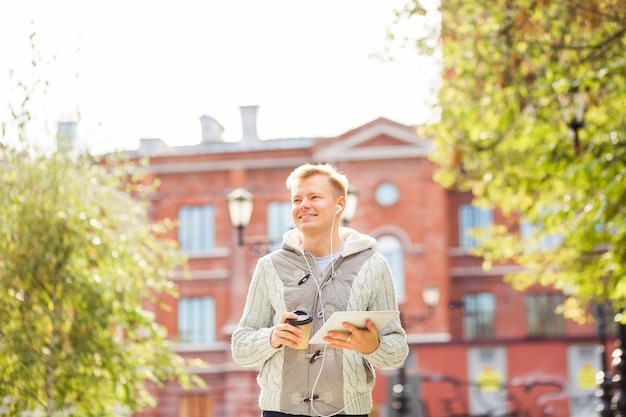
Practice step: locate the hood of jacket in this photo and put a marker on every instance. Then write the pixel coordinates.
(354, 242)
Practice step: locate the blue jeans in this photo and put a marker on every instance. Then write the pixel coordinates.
(277, 414)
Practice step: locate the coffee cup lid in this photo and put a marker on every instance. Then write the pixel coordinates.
(303, 318)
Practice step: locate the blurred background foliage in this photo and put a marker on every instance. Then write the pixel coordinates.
(532, 106)
(81, 269)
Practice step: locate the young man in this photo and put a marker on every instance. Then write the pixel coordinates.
(320, 268)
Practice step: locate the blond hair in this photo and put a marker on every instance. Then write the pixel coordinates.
(338, 180)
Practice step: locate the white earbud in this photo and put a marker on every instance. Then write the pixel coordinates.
(338, 208)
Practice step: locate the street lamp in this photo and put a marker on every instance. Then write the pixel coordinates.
(431, 295)
(573, 108)
(240, 204)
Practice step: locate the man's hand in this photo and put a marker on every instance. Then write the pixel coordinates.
(284, 334)
(360, 340)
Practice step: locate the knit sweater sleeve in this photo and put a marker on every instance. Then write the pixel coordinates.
(393, 348)
(250, 342)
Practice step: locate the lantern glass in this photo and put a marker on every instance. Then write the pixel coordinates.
(430, 294)
(240, 204)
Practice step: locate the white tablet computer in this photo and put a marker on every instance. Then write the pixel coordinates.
(358, 318)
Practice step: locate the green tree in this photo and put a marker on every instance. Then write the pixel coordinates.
(81, 272)
(506, 134)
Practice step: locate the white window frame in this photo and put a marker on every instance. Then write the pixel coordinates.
(391, 248)
(196, 320)
(196, 228)
(472, 217)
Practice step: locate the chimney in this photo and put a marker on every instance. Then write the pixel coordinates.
(250, 138)
(212, 130)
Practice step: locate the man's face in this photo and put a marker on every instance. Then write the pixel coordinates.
(313, 205)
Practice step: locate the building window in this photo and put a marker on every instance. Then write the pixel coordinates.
(387, 194)
(391, 249)
(472, 217)
(279, 221)
(196, 228)
(195, 405)
(531, 235)
(196, 320)
(541, 314)
(479, 313)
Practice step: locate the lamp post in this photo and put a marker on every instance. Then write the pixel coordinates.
(431, 295)
(240, 204)
(573, 108)
(602, 378)
(619, 357)
(401, 391)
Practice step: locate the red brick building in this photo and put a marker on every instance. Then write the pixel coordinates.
(483, 349)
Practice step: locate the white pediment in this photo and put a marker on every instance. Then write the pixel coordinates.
(354, 146)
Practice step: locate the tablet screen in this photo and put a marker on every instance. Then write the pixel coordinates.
(358, 318)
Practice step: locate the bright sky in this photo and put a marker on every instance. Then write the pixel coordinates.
(139, 69)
